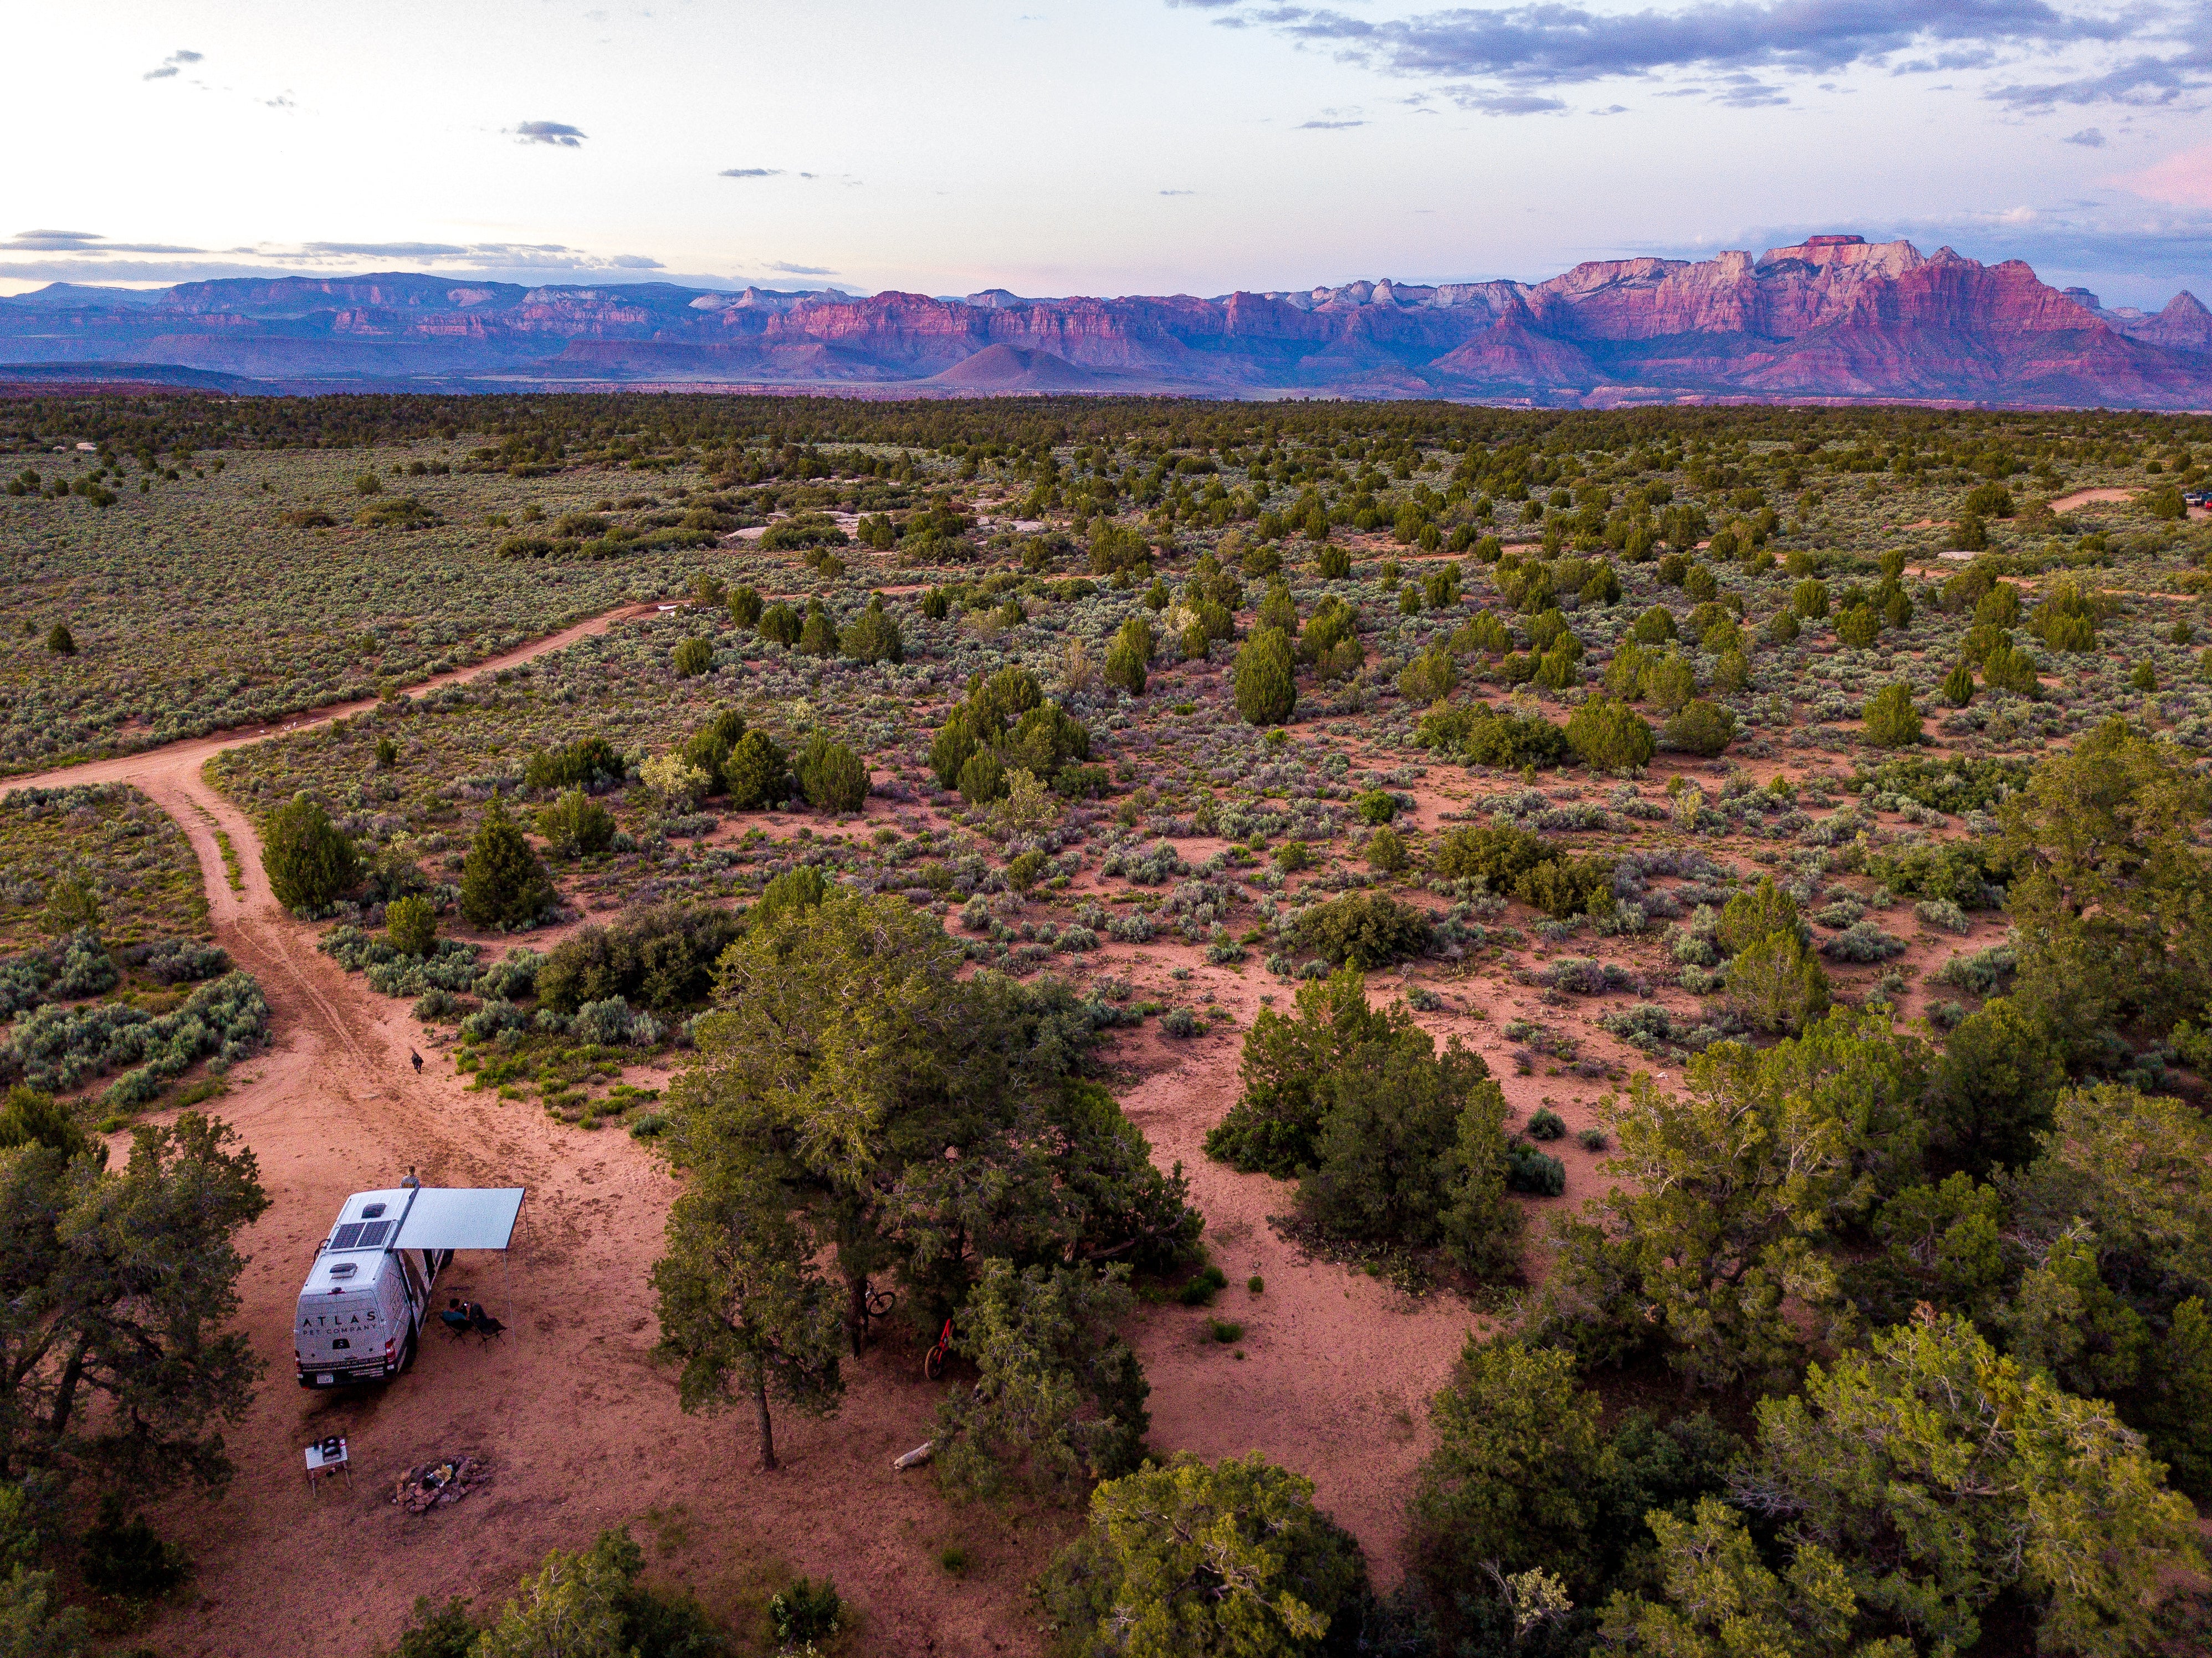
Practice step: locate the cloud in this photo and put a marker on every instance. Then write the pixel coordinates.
(549, 132)
(803, 270)
(1178, 192)
(81, 241)
(171, 64)
(1327, 126)
(2144, 81)
(750, 172)
(1506, 103)
(2087, 137)
(2184, 179)
(1493, 49)
(382, 250)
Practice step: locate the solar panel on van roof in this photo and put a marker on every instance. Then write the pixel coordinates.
(348, 1236)
(373, 1234)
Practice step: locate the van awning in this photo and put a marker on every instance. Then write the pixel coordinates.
(461, 1217)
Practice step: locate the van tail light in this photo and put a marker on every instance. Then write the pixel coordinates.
(387, 1349)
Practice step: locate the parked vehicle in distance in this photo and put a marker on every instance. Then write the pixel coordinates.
(362, 1307)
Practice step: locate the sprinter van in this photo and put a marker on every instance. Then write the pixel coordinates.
(362, 1307)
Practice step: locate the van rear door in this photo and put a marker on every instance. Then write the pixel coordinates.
(337, 1337)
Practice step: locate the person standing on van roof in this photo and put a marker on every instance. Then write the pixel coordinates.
(409, 1180)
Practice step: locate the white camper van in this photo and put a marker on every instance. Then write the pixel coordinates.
(362, 1307)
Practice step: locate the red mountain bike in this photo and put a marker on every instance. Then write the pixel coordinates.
(932, 1362)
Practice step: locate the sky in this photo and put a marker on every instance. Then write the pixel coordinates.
(1056, 147)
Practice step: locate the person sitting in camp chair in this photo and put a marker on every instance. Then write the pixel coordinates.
(486, 1326)
(455, 1318)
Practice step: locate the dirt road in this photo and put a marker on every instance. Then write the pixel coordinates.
(582, 1427)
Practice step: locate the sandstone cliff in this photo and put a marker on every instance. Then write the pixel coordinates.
(1834, 317)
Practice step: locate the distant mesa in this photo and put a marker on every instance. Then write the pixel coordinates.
(1009, 368)
(1835, 317)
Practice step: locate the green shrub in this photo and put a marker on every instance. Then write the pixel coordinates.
(1537, 1173)
(805, 1611)
(661, 956)
(411, 925)
(1125, 668)
(1272, 1576)
(1364, 930)
(1375, 807)
(745, 607)
(692, 658)
(1510, 741)
(60, 642)
(757, 772)
(309, 859)
(1810, 598)
(819, 635)
(126, 1558)
(1499, 855)
(503, 885)
(1759, 911)
(589, 763)
(576, 826)
(1546, 1125)
(1995, 1088)
(1858, 627)
(1892, 721)
(2011, 668)
(1700, 727)
(780, 623)
(1568, 886)
(1082, 783)
(956, 740)
(1266, 690)
(874, 636)
(1958, 688)
(1058, 1401)
(831, 776)
(1670, 681)
(1431, 677)
(1386, 852)
(1608, 735)
(1777, 985)
(59, 1048)
(983, 778)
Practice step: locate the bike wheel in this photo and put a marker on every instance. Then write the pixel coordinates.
(932, 1364)
(879, 1303)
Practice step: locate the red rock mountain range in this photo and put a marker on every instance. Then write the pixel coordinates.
(1835, 317)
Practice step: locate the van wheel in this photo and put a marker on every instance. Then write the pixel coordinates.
(407, 1355)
